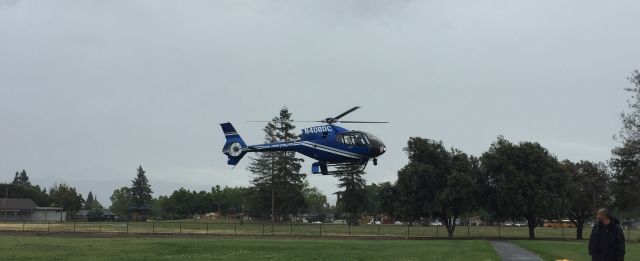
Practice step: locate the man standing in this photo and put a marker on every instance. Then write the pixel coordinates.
(607, 238)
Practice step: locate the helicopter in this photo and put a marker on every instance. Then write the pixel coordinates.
(332, 146)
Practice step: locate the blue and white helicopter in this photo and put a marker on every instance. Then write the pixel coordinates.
(332, 146)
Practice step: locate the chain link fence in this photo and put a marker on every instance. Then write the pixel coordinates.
(299, 229)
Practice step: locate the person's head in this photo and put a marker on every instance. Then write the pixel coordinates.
(603, 215)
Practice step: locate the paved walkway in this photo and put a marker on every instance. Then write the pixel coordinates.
(510, 251)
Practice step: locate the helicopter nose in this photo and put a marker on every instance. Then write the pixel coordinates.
(379, 150)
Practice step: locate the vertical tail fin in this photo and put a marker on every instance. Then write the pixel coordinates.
(234, 148)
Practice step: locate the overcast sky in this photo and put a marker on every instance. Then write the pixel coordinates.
(89, 90)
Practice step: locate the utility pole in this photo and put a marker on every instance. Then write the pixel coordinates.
(273, 198)
(242, 219)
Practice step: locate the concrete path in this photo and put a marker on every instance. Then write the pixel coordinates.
(510, 251)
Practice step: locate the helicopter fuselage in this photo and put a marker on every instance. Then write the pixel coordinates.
(329, 144)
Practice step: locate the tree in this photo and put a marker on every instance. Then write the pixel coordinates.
(66, 197)
(276, 175)
(524, 181)
(352, 200)
(184, 203)
(91, 203)
(316, 202)
(121, 201)
(587, 190)
(625, 162)
(372, 208)
(21, 178)
(88, 203)
(141, 191)
(388, 198)
(440, 182)
(35, 193)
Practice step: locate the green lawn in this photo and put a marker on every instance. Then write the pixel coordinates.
(553, 250)
(78, 248)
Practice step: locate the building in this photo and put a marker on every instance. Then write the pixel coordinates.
(26, 209)
(95, 215)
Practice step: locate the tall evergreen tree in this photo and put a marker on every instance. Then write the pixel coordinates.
(352, 200)
(21, 178)
(88, 203)
(91, 202)
(141, 191)
(276, 175)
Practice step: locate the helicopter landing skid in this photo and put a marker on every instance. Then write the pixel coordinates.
(339, 168)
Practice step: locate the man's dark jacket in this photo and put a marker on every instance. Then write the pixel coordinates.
(607, 242)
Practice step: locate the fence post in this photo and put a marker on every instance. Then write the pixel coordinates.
(100, 229)
(407, 231)
(291, 231)
(180, 230)
(437, 230)
(127, 224)
(262, 229)
(320, 229)
(468, 227)
(499, 231)
(235, 229)
(207, 231)
(74, 226)
(153, 227)
(562, 231)
(378, 230)
(349, 225)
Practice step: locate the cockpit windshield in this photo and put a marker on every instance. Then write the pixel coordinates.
(352, 138)
(375, 141)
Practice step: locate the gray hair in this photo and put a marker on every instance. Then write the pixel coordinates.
(605, 212)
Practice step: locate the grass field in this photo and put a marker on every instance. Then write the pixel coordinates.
(296, 229)
(554, 250)
(77, 248)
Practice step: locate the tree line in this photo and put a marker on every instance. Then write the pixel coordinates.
(509, 181)
(59, 195)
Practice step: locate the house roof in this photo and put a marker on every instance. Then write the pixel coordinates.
(85, 212)
(17, 204)
(82, 212)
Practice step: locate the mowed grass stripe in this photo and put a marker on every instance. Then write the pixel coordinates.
(572, 250)
(77, 248)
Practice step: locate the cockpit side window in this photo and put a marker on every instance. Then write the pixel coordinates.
(352, 138)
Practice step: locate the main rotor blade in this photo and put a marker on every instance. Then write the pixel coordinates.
(362, 121)
(285, 121)
(346, 112)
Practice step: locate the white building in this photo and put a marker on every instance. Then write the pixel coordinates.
(25, 209)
